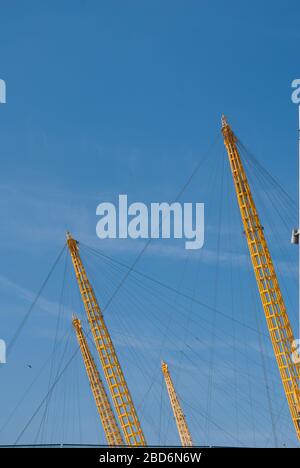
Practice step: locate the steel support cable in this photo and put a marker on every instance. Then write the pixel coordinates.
(131, 297)
(264, 367)
(231, 289)
(267, 174)
(279, 415)
(278, 243)
(78, 398)
(63, 355)
(268, 392)
(275, 200)
(57, 379)
(213, 422)
(44, 418)
(283, 254)
(274, 205)
(213, 177)
(40, 371)
(186, 296)
(161, 298)
(198, 355)
(246, 348)
(265, 374)
(188, 314)
(25, 318)
(149, 241)
(137, 362)
(212, 337)
(50, 393)
(59, 376)
(260, 176)
(136, 301)
(228, 393)
(142, 251)
(167, 330)
(140, 305)
(121, 320)
(131, 268)
(267, 384)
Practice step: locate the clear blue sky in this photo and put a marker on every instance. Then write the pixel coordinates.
(126, 97)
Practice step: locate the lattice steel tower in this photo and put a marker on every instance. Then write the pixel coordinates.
(108, 419)
(278, 323)
(120, 394)
(183, 430)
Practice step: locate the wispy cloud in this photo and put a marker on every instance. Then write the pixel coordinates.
(51, 307)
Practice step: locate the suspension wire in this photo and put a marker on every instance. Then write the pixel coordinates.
(275, 201)
(203, 414)
(172, 289)
(135, 356)
(189, 311)
(264, 367)
(214, 318)
(44, 418)
(142, 251)
(132, 269)
(262, 172)
(130, 297)
(267, 174)
(284, 255)
(232, 301)
(25, 318)
(44, 399)
(123, 311)
(267, 385)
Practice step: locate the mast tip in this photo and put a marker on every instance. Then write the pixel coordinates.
(224, 121)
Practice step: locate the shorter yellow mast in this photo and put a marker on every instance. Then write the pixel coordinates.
(108, 420)
(183, 430)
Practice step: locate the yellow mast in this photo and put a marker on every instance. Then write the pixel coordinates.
(126, 412)
(109, 422)
(183, 430)
(278, 323)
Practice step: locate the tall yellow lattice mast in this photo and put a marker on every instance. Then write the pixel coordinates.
(125, 410)
(271, 297)
(109, 422)
(183, 430)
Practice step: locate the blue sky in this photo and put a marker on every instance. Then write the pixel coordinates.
(118, 97)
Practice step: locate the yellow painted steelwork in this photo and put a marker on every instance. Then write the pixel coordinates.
(183, 430)
(108, 419)
(124, 406)
(278, 323)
